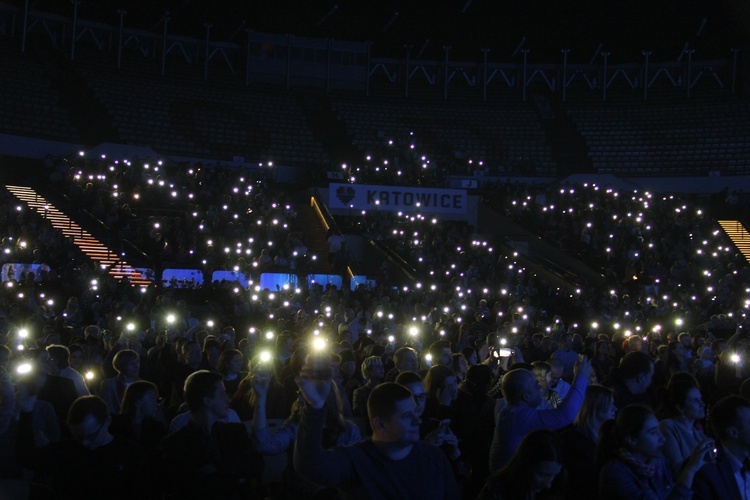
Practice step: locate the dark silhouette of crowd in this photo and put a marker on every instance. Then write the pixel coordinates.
(478, 380)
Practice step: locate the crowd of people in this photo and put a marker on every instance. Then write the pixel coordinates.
(478, 380)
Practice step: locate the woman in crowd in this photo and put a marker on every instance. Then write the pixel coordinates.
(140, 418)
(682, 430)
(629, 454)
(127, 364)
(535, 469)
(580, 442)
(230, 365)
(373, 374)
(460, 365)
(543, 373)
(602, 362)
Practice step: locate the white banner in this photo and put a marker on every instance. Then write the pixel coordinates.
(397, 198)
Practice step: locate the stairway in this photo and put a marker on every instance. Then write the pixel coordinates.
(313, 231)
(738, 234)
(89, 245)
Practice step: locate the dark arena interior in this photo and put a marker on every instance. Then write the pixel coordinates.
(392, 250)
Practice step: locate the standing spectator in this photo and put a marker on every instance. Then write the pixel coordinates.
(580, 442)
(60, 356)
(521, 416)
(208, 458)
(336, 243)
(372, 372)
(127, 364)
(567, 356)
(392, 464)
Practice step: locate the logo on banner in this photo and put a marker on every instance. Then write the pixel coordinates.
(345, 194)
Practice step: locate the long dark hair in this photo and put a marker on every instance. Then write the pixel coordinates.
(514, 480)
(629, 422)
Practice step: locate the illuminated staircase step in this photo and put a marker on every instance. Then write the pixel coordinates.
(739, 236)
(89, 245)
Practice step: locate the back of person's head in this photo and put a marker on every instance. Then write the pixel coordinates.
(383, 399)
(210, 343)
(27, 385)
(401, 353)
(122, 358)
(367, 365)
(725, 416)
(59, 355)
(407, 378)
(514, 385)
(633, 364)
(133, 393)
(435, 379)
(92, 331)
(85, 406)
(437, 346)
(199, 385)
(518, 478)
(479, 376)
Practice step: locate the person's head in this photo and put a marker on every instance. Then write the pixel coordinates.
(211, 348)
(347, 366)
(459, 364)
(636, 369)
(140, 397)
(127, 363)
(204, 392)
(637, 430)
(230, 362)
(372, 369)
(191, 353)
(92, 331)
(405, 359)
(392, 412)
(471, 355)
(598, 406)
(676, 352)
(439, 377)
(441, 353)
(534, 467)
(521, 387)
(634, 343)
(601, 349)
(88, 421)
(556, 372)
(543, 374)
(730, 421)
(75, 359)
(685, 340)
(411, 381)
(285, 344)
(59, 356)
(683, 399)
